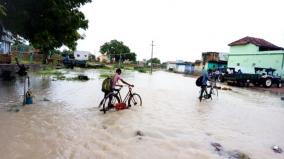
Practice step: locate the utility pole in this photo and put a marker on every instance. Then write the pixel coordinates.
(152, 56)
(119, 60)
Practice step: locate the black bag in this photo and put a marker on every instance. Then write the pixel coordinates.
(199, 81)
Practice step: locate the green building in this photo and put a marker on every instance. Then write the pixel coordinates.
(249, 52)
(214, 60)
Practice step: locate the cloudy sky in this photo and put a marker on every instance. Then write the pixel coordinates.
(181, 29)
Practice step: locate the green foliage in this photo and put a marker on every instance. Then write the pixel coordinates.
(46, 24)
(58, 52)
(141, 69)
(154, 60)
(2, 11)
(49, 72)
(114, 48)
(105, 75)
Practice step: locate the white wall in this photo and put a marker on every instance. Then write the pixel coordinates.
(180, 68)
(81, 55)
(5, 47)
(171, 66)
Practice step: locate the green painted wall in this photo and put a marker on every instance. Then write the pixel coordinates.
(249, 57)
(244, 49)
(214, 65)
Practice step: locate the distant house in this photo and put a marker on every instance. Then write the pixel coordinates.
(214, 60)
(189, 67)
(6, 39)
(250, 52)
(103, 58)
(184, 67)
(171, 65)
(141, 63)
(180, 67)
(82, 55)
(198, 66)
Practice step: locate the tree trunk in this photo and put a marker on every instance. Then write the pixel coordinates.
(44, 59)
(45, 55)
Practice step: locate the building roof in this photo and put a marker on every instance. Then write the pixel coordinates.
(256, 41)
(198, 61)
(5, 35)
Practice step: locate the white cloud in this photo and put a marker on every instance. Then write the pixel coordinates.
(181, 29)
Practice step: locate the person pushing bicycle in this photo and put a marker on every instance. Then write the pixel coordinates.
(117, 77)
(115, 82)
(205, 78)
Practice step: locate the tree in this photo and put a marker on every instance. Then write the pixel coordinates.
(67, 52)
(2, 11)
(46, 24)
(114, 48)
(154, 60)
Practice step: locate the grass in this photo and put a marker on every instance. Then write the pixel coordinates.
(105, 75)
(62, 77)
(97, 66)
(48, 71)
(142, 69)
(57, 75)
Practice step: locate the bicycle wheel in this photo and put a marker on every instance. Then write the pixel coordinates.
(207, 96)
(214, 91)
(110, 104)
(134, 100)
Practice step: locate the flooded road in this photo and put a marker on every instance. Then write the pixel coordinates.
(172, 121)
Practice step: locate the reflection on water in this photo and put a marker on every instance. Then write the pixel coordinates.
(174, 123)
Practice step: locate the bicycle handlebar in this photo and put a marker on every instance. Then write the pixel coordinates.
(125, 85)
(120, 87)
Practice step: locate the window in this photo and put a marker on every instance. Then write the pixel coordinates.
(78, 55)
(238, 64)
(85, 55)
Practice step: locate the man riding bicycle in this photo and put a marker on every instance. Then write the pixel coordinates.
(115, 82)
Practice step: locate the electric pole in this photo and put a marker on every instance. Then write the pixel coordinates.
(152, 56)
(119, 59)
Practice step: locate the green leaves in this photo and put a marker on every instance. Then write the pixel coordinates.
(2, 11)
(116, 48)
(47, 24)
(154, 60)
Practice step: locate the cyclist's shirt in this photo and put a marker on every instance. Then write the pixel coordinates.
(205, 78)
(116, 78)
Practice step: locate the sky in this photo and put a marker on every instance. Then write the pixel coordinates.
(180, 29)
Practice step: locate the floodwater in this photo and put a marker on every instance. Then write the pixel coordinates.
(172, 121)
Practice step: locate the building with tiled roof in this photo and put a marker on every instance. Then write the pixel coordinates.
(250, 52)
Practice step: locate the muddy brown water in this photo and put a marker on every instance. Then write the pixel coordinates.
(173, 122)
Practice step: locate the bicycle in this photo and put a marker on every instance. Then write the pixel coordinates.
(132, 99)
(212, 90)
(207, 95)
